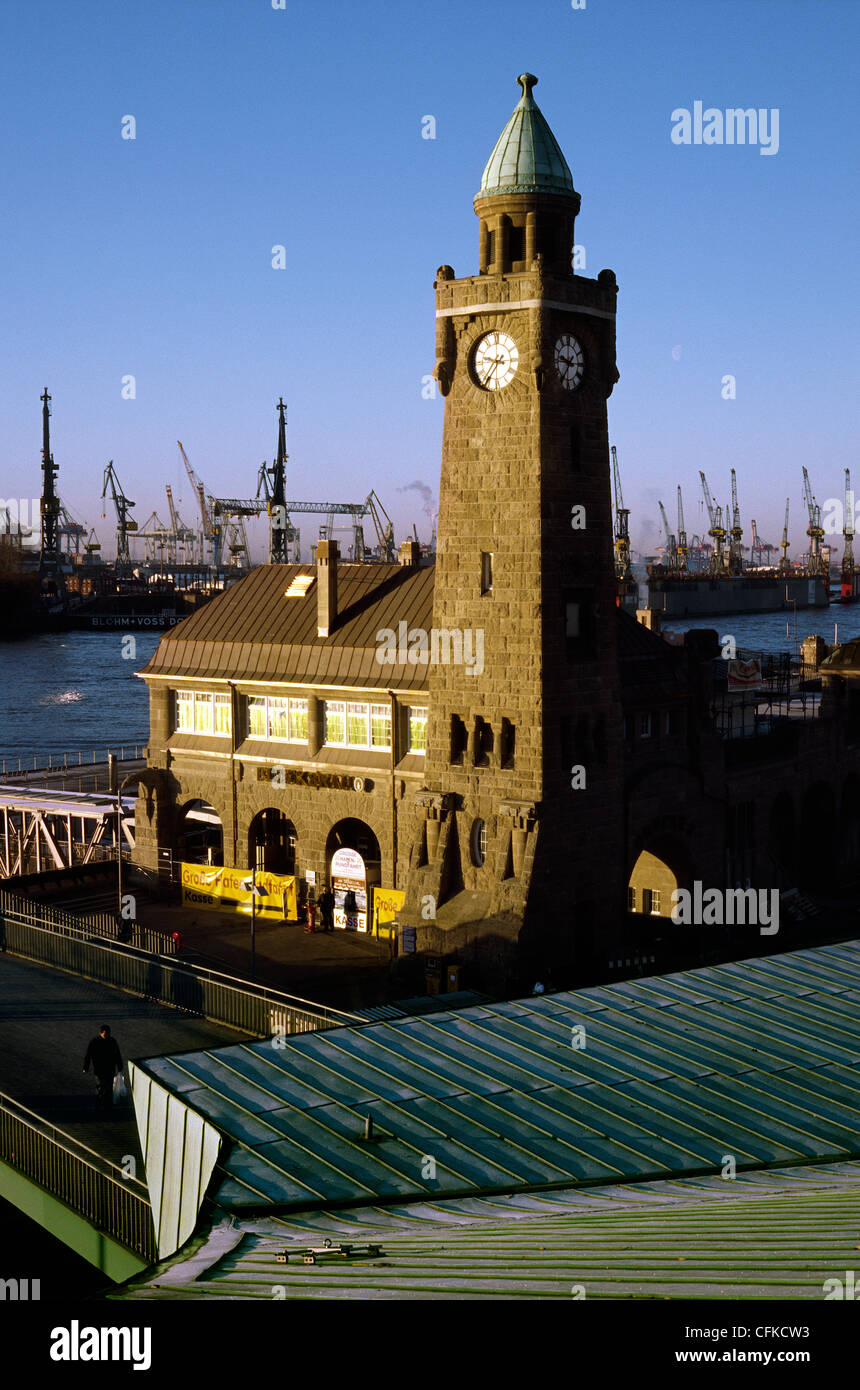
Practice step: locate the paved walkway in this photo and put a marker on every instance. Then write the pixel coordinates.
(344, 969)
(46, 1020)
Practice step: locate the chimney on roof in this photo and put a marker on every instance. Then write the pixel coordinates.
(326, 556)
(410, 554)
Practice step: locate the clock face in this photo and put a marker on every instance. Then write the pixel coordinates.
(569, 361)
(495, 361)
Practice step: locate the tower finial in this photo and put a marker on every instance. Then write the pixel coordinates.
(527, 80)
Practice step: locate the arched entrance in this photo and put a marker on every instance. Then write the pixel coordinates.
(272, 842)
(200, 834)
(357, 835)
(353, 868)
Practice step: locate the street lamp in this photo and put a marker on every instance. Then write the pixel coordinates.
(249, 885)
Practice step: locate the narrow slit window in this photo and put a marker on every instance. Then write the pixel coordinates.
(486, 572)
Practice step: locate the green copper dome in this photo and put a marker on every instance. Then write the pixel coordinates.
(527, 157)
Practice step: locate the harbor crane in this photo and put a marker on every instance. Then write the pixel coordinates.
(224, 517)
(784, 562)
(683, 548)
(736, 557)
(124, 520)
(272, 499)
(221, 524)
(262, 504)
(623, 571)
(384, 533)
(49, 506)
(157, 540)
(670, 558)
(817, 564)
(848, 537)
(183, 536)
(73, 531)
(210, 532)
(277, 508)
(716, 530)
(698, 556)
(236, 506)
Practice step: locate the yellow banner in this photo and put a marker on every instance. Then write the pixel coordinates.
(222, 890)
(387, 902)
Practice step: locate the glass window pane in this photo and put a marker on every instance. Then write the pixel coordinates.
(335, 721)
(184, 711)
(202, 713)
(299, 721)
(257, 716)
(277, 718)
(222, 714)
(417, 730)
(380, 726)
(357, 723)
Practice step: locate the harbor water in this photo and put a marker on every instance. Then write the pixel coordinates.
(72, 693)
(779, 632)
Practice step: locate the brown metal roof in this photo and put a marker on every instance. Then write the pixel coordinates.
(252, 632)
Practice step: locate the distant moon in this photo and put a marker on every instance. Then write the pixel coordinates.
(676, 352)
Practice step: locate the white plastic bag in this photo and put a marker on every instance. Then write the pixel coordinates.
(120, 1091)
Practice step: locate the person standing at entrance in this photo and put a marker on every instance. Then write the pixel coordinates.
(104, 1056)
(326, 907)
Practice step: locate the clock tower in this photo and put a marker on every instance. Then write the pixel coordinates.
(516, 864)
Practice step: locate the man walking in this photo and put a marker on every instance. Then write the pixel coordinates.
(104, 1055)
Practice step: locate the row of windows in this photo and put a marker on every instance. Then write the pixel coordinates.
(282, 719)
(199, 712)
(276, 717)
(349, 725)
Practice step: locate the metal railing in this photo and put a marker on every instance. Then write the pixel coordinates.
(84, 925)
(61, 762)
(55, 938)
(77, 1176)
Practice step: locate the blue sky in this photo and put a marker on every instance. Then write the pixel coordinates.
(302, 127)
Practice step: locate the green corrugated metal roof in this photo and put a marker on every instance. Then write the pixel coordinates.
(526, 157)
(779, 1234)
(756, 1059)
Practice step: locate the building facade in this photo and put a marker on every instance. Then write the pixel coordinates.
(281, 729)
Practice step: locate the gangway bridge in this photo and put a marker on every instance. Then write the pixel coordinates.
(44, 828)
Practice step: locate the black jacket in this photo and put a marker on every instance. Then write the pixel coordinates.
(104, 1055)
